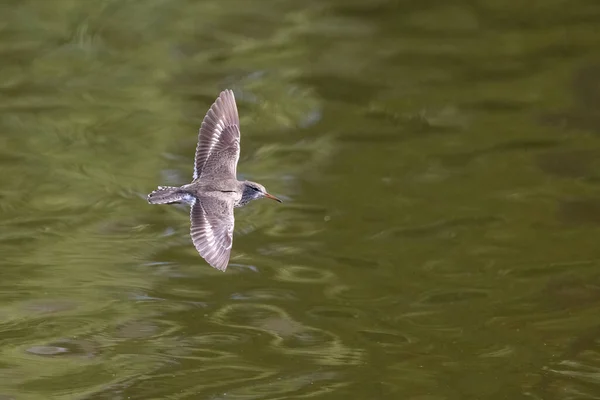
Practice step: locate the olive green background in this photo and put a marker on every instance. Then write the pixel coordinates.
(440, 166)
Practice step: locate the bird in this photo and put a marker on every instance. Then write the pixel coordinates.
(215, 190)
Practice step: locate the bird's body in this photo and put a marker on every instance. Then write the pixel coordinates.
(215, 190)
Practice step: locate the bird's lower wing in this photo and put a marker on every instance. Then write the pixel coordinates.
(212, 229)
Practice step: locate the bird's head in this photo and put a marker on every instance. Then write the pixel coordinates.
(253, 191)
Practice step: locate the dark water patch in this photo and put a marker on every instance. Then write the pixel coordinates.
(570, 164)
(139, 329)
(341, 89)
(374, 138)
(524, 271)
(354, 262)
(207, 355)
(285, 385)
(372, 10)
(586, 87)
(462, 159)
(308, 208)
(500, 16)
(362, 294)
(221, 339)
(50, 306)
(571, 292)
(581, 211)
(265, 294)
(9, 160)
(384, 338)
(554, 52)
(333, 312)
(391, 125)
(496, 105)
(295, 227)
(519, 145)
(450, 297)
(445, 228)
(583, 114)
(497, 72)
(572, 121)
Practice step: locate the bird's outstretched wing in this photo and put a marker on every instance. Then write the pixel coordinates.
(218, 148)
(212, 229)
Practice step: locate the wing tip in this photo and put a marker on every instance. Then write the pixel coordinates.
(218, 264)
(221, 268)
(225, 107)
(219, 259)
(227, 93)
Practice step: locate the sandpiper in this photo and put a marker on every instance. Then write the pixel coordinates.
(215, 190)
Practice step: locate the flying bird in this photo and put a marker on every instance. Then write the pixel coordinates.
(215, 190)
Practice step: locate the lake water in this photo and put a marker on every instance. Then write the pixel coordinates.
(440, 166)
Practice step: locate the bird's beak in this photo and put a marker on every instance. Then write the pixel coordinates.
(270, 196)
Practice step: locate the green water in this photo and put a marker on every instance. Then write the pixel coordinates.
(440, 166)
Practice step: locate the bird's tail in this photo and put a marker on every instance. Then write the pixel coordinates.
(167, 195)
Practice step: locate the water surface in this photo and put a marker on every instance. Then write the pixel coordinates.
(439, 166)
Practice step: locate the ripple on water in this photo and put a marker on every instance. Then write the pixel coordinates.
(570, 378)
(50, 306)
(309, 337)
(334, 312)
(47, 350)
(188, 352)
(443, 229)
(385, 338)
(265, 294)
(254, 316)
(287, 228)
(66, 348)
(205, 381)
(451, 296)
(536, 271)
(356, 262)
(289, 336)
(499, 352)
(360, 294)
(571, 292)
(321, 347)
(221, 338)
(305, 384)
(303, 274)
(138, 329)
